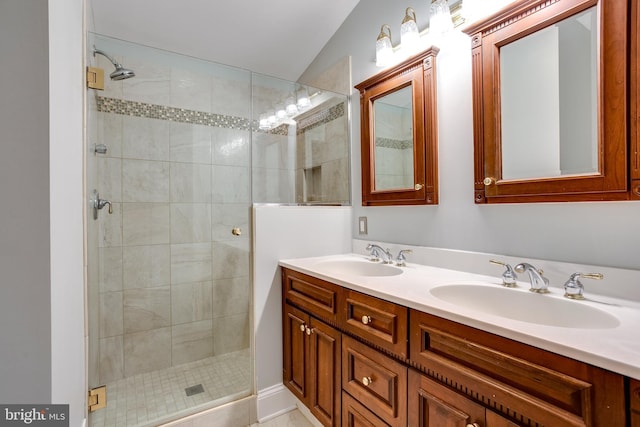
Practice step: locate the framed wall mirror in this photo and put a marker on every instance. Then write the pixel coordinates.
(550, 84)
(399, 134)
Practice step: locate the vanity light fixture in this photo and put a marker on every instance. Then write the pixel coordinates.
(290, 107)
(281, 114)
(304, 101)
(384, 48)
(440, 20)
(264, 122)
(409, 34)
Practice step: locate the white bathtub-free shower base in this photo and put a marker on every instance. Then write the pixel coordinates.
(158, 397)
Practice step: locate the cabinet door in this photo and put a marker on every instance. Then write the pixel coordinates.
(634, 392)
(375, 380)
(295, 351)
(324, 369)
(495, 420)
(433, 405)
(354, 414)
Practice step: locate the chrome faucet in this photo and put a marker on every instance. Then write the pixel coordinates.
(509, 277)
(573, 287)
(539, 283)
(401, 260)
(377, 252)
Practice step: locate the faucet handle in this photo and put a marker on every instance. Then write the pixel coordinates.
(375, 255)
(401, 260)
(509, 277)
(573, 287)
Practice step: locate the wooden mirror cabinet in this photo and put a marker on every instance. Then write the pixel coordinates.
(399, 134)
(597, 122)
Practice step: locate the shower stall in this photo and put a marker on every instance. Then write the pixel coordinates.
(176, 157)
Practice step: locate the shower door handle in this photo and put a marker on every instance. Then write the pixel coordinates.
(99, 203)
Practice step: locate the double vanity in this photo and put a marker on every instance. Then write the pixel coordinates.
(376, 344)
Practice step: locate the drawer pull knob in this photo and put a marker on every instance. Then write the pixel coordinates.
(303, 327)
(367, 381)
(309, 331)
(366, 319)
(473, 425)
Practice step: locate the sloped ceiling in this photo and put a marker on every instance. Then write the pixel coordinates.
(279, 38)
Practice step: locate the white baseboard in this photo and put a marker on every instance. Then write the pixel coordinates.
(274, 401)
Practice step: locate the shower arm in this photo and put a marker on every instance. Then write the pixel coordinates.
(113, 61)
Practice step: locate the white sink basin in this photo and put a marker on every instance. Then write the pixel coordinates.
(354, 267)
(526, 306)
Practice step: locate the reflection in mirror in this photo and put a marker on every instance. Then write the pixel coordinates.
(549, 100)
(393, 132)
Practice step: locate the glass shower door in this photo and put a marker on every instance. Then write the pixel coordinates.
(169, 267)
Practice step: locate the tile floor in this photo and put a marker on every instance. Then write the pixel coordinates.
(290, 419)
(151, 398)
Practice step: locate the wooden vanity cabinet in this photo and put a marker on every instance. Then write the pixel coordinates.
(524, 384)
(312, 364)
(432, 404)
(403, 367)
(634, 398)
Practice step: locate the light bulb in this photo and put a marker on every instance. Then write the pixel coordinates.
(440, 20)
(409, 34)
(384, 49)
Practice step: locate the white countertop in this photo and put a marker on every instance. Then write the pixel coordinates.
(616, 349)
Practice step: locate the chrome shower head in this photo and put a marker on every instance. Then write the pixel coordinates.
(120, 72)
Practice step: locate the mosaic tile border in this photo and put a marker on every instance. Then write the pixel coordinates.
(396, 144)
(181, 115)
(162, 112)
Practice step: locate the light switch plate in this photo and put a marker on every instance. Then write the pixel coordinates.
(362, 225)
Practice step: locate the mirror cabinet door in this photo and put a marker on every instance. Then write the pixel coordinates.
(399, 135)
(550, 102)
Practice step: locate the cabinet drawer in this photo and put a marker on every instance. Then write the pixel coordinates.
(375, 380)
(354, 414)
(313, 295)
(379, 322)
(541, 387)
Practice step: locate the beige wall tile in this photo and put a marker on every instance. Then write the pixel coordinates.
(191, 341)
(230, 258)
(230, 147)
(190, 263)
(146, 309)
(111, 359)
(152, 83)
(191, 302)
(146, 266)
(190, 90)
(230, 184)
(231, 333)
(231, 296)
(190, 183)
(145, 139)
(110, 268)
(224, 217)
(190, 223)
(145, 181)
(110, 178)
(190, 143)
(110, 314)
(146, 223)
(147, 351)
(110, 226)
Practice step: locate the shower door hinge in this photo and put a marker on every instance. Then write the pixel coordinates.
(97, 398)
(95, 78)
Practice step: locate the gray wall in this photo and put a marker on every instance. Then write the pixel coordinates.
(591, 233)
(25, 303)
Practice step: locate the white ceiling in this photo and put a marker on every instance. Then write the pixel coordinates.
(279, 38)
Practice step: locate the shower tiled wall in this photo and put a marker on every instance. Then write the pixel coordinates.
(174, 283)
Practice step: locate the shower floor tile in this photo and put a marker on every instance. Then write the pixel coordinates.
(160, 396)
